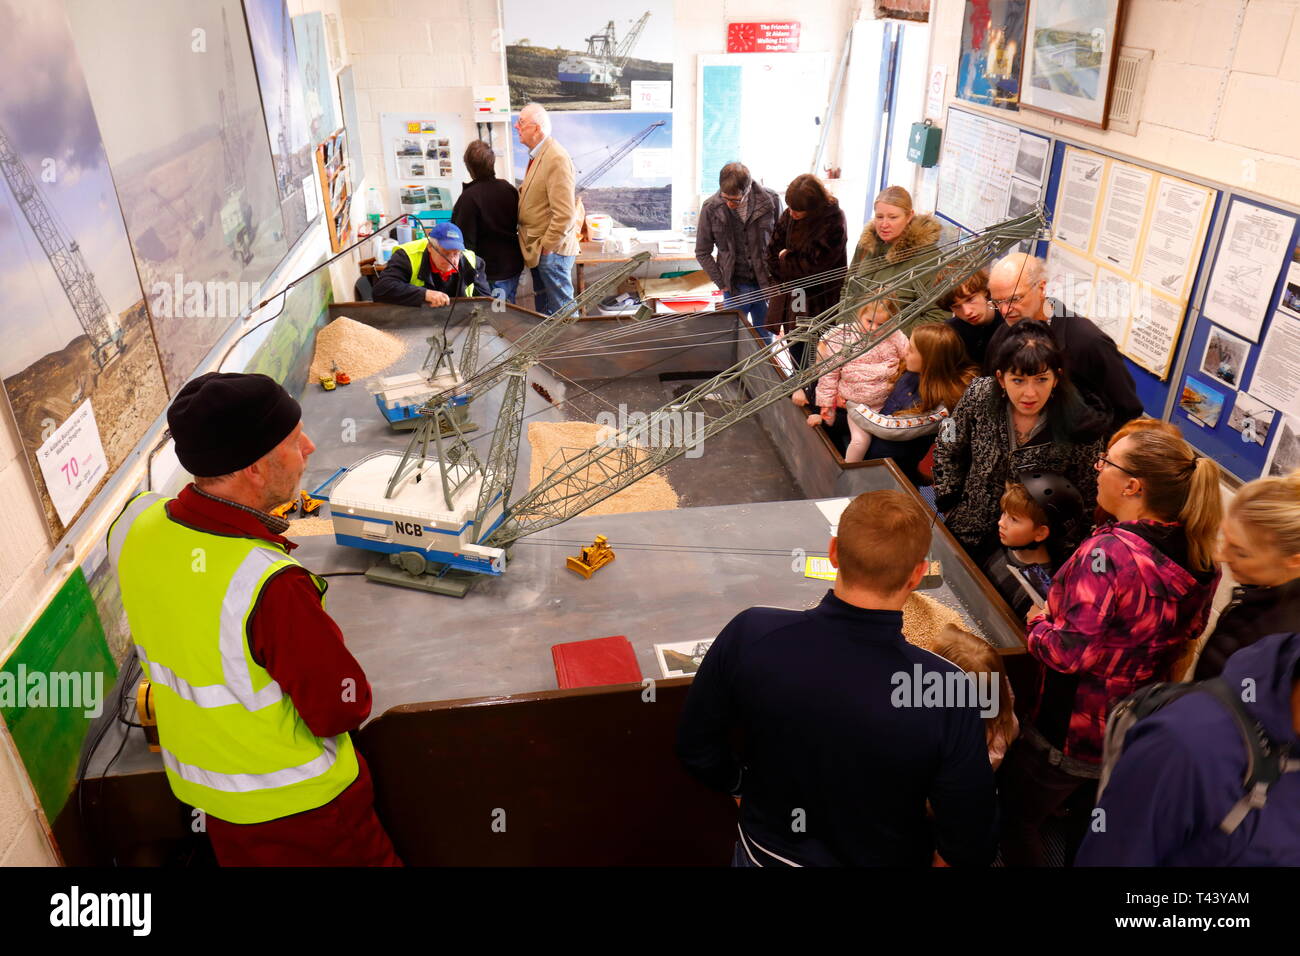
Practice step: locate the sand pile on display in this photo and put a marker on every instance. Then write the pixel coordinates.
(359, 350)
(305, 527)
(651, 493)
(924, 618)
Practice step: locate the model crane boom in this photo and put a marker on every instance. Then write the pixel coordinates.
(69, 265)
(595, 474)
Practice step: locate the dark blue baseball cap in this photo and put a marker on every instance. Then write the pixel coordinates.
(447, 235)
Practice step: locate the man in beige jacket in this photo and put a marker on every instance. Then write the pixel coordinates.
(549, 213)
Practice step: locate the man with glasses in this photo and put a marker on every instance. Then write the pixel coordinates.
(738, 221)
(550, 214)
(1018, 290)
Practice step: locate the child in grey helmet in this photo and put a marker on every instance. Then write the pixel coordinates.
(1037, 513)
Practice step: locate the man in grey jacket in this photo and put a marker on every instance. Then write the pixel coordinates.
(738, 220)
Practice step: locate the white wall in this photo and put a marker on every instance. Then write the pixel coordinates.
(1223, 98)
(427, 58)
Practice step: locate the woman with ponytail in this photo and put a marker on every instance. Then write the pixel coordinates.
(1260, 544)
(1119, 614)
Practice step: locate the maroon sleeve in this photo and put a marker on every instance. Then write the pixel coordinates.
(302, 648)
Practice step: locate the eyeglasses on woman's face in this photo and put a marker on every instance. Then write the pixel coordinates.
(1103, 461)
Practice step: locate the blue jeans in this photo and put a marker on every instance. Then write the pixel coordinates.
(505, 288)
(755, 308)
(552, 282)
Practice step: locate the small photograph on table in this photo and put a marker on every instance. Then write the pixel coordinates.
(444, 169)
(1201, 402)
(682, 659)
(1251, 419)
(409, 147)
(444, 153)
(1225, 357)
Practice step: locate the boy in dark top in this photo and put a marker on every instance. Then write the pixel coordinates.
(1034, 516)
(487, 214)
(839, 753)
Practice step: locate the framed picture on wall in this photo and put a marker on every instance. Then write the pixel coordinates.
(992, 51)
(1070, 50)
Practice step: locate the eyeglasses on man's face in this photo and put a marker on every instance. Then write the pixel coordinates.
(732, 200)
(1014, 300)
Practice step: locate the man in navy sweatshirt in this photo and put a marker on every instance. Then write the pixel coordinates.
(1182, 768)
(839, 752)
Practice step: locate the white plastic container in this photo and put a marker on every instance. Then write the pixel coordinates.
(599, 226)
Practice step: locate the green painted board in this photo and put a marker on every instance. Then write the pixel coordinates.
(67, 638)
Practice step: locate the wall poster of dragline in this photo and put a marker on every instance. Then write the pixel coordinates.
(287, 123)
(176, 98)
(77, 353)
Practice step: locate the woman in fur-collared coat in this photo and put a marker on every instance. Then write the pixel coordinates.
(809, 243)
(895, 240)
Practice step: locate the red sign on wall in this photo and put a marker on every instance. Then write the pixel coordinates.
(763, 37)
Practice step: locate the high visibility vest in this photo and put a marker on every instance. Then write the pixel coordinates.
(415, 252)
(233, 744)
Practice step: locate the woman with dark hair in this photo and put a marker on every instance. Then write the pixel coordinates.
(1119, 615)
(1025, 417)
(809, 243)
(487, 214)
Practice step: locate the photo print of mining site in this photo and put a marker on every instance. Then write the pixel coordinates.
(285, 354)
(282, 106)
(1284, 457)
(589, 58)
(75, 340)
(681, 659)
(636, 190)
(185, 138)
(1225, 357)
(1202, 403)
(1251, 419)
(317, 79)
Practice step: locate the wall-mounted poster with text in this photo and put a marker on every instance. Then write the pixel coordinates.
(77, 352)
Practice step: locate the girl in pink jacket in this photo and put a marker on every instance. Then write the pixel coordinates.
(867, 380)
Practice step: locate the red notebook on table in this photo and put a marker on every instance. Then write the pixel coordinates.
(602, 660)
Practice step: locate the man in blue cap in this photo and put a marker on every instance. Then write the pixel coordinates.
(432, 271)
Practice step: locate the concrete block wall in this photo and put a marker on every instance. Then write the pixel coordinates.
(412, 58)
(1223, 94)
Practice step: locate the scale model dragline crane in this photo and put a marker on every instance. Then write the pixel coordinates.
(98, 322)
(612, 159)
(599, 70)
(236, 214)
(464, 520)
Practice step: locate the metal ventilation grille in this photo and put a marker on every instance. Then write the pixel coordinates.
(1129, 88)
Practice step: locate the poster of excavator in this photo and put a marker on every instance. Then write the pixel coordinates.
(182, 128)
(617, 55)
(77, 353)
(283, 104)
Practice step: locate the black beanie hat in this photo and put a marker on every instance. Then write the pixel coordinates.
(224, 421)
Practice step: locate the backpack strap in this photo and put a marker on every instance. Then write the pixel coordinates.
(1265, 760)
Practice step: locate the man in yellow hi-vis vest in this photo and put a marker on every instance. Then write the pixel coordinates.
(253, 687)
(432, 271)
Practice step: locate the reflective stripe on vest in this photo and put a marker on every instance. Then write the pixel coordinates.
(249, 782)
(415, 252)
(232, 741)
